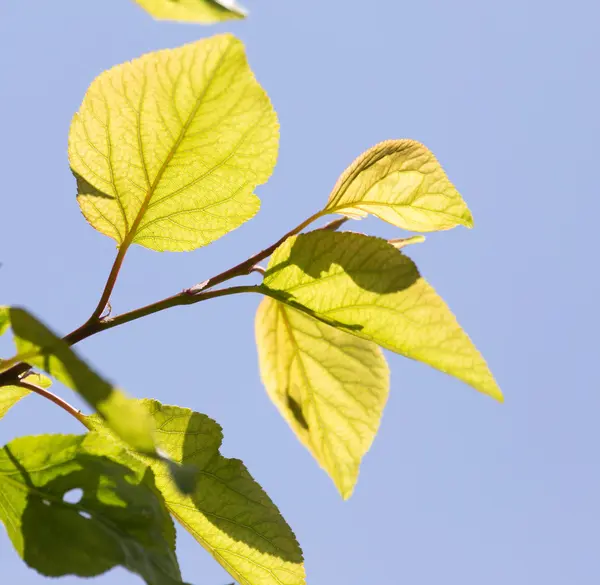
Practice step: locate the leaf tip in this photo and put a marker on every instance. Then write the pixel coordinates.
(346, 493)
(492, 390)
(469, 221)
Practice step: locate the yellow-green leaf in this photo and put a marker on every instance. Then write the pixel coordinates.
(228, 513)
(42, 348)
(168, 149)
(4, 319)
(330, 386)
(365, 286)
(204, 11)
(10, 395)
(401, 182)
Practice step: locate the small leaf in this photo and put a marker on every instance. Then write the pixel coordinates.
(365, 286)
(204, 11)
(330, 386)
(119, 519)
(10, 395)
(4, 319)
(168, 149)
(228, 514)
(401, 182)
(40, 347)
(400, 243)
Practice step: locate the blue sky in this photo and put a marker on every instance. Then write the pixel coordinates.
(457, 488)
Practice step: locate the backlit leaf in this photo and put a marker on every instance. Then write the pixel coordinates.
(329, 386)
(204, 11)
(4, 319)
(401, 182)
(365, 286)
(229, 514)
(168, 149)
(114, 517)
(10, 395)
(40, 347)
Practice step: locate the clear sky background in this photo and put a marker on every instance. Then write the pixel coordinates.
(457, 488)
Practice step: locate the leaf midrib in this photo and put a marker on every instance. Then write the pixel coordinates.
(199, 100)
(325, 442)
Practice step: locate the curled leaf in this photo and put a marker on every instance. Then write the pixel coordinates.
(401, 182)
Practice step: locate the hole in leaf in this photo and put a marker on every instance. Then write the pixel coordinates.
(73, 496)
(85, 515)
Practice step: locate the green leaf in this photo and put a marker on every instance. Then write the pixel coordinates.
(365, 286)
(40, 347)
(401, 182)
(330, 386)
(168, 149)
(10, 395)
(228, 514)
(120, 518)
(204, 11)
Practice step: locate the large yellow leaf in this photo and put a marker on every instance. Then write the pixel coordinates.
(401, 182)
(168, 149)
(330, 386)
(365, 286)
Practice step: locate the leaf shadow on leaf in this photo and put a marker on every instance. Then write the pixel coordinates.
(288, 299)
(296, 410)
(87, 189)
(102, 530)
(315, 253)
(230, 499)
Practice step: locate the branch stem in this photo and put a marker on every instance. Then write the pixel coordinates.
(110, 284)
(245, 267)
(196, 294)
(186, 297)
(56, 399)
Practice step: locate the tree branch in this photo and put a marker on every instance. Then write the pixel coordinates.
(196, 294)
(187, 297)
(245, 267)
(54, 398)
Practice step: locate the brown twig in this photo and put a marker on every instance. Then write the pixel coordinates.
(54, 398)
(195, 294)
